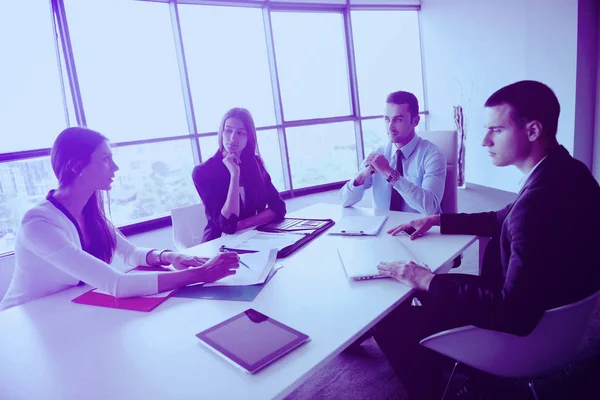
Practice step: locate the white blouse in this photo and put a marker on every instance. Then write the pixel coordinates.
(49, 258)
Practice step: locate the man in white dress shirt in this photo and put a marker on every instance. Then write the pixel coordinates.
(407, 173)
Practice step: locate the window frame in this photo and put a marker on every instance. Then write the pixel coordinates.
(72, 98)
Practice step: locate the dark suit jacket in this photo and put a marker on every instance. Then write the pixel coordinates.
(211, 179)
(543, 252)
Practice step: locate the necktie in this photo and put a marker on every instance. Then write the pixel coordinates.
(397, 200)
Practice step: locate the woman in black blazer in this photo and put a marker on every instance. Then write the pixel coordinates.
(233, 184)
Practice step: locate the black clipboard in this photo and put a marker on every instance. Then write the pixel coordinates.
(309, 226)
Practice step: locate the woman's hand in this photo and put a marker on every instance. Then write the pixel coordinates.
(232, 162)
(220, 266)
(410, 273)
(416, 227)
(181, 261)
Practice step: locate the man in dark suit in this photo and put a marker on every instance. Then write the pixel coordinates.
(542, 253)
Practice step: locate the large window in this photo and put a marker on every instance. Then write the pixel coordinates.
(131, 90)
(153, 179)
(127, 69)
(226, 55)
(31, 109)
(156, 78)
(268, 144)
(322, 153)
(311, 57)
(31, 104)
(388, 57)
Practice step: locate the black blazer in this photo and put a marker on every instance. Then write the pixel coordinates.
(542, 253)
(211, 179)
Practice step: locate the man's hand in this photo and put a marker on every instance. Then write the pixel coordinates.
(379, 163)
(417, 227)
(363, 175)
(410, 273)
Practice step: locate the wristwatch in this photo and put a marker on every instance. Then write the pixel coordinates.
(393, 177)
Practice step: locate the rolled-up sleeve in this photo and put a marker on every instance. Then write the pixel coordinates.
(427, 198)
(350, 194)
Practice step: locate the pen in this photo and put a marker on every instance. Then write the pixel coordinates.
(225, 250)
(239, 251)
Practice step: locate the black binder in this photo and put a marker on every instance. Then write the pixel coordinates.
(310, 227)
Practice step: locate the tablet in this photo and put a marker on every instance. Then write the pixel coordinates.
(251, 340)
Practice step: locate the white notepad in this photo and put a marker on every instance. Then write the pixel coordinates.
(254, 269)
(360, 257)
(358, 225)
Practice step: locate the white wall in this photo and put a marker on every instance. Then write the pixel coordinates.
(471, 48)
(587, 81)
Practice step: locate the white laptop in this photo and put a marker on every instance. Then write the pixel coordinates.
(360, 256)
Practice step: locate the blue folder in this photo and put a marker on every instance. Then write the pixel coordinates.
(235, 293)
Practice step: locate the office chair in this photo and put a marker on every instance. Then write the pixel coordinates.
(188, 225)
(447, 143)
(549, 348)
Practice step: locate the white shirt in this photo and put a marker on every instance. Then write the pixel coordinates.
(49, 259)
(526, 177)
(422, 183)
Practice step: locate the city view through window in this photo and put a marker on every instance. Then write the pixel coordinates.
(131, 89)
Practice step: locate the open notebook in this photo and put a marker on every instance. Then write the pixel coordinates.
(360, 257)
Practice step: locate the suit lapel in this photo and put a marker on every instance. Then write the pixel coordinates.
(535, 176)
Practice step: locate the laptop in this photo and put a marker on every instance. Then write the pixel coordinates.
(360, 256)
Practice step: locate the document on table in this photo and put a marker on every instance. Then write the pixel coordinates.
(264, 241)
(254, 269)
(358, 225)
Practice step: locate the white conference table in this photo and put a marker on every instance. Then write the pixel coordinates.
(55, 349)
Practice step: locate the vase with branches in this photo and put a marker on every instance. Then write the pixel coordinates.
(459, 121)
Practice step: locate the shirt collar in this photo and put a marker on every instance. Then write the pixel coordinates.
(409, 147)
(526, 177)
(61, 208)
